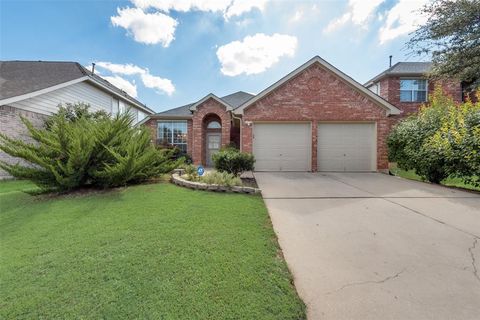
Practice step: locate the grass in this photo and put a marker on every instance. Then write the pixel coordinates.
(147, 252)
(449, 182)
(16, 185)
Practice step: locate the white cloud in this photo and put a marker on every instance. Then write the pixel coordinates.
(229, 8)
(123, 84)
(239, 7)
(402, 19)
(158, 27)
(297, 16)
(255, 54)
(148, 28)
(183, 5)
(126, 69)
(160, 84)
(359, 13)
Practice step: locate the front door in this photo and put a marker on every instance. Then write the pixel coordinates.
(213, 145)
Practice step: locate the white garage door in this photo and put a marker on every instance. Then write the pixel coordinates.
(282, 146)
(346, 147)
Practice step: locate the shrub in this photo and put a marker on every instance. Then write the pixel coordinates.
(191, 172)
(174, 153)
(442, 140)
(233, 161)
(79, 149)
(221, 178)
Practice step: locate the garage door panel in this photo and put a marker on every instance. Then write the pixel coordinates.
(282, 146)
(346, 147)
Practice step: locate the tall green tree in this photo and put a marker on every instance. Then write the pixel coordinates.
(451, 36)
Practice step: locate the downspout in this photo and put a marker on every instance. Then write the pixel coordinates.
(241, 126)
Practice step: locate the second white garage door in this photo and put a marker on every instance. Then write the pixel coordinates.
(282, 146)
(346, 147)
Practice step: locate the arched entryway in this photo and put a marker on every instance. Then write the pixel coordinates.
(212, 125)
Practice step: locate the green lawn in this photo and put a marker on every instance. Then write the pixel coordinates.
(16, 185)
(147, 252)
(450, 182)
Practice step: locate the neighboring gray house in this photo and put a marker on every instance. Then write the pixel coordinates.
(35, 89)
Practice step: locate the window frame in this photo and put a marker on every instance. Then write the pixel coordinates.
(412, 91)
(181, 145)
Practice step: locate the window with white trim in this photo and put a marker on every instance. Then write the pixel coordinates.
(172, 133)
(413, 90)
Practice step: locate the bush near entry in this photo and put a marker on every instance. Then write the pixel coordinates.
(233, 161)
(77, 148)
(442, 140)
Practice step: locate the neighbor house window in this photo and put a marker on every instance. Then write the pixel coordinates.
(173, 133)
(413, 90)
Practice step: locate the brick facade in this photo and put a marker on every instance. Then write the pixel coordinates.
(12, 126)
(317, 95)
(314, 95)
(209, 108)
(390, 91)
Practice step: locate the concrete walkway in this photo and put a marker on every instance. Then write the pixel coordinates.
(372, 246)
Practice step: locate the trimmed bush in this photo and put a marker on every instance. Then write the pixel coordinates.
(442, 140)
(81, 149)
(233, 161)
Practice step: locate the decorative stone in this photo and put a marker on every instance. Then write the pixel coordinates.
(179, 181)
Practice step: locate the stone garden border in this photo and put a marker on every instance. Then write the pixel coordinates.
(179, 181)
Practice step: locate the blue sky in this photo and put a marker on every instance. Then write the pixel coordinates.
(170, 53)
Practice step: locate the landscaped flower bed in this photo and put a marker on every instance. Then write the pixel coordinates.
(212, 181)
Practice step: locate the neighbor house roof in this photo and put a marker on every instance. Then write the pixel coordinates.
(403, 69)
(233, 100)
(21, 80)
(391, 109)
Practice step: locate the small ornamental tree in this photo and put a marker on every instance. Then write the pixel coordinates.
(82, 149)
(442, 140)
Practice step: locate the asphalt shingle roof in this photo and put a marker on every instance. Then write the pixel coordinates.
(235, 100)
(21, 77)
(404, 68)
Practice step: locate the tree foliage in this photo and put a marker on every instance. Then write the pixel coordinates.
(77, 148)
(442, 140)
(451, 35)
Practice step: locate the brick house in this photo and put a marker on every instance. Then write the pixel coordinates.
(35, 89)
(405, 85)
(316, 118)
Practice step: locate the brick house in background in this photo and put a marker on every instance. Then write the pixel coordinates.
(406, 86)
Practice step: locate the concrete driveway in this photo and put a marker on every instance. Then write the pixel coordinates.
(373, 246)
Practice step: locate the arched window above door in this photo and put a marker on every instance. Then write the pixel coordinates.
(214, 125)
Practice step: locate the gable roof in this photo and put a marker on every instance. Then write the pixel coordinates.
(234, 100)
(21, 80)
(227, 106)
(403, 69)
(390, 109)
